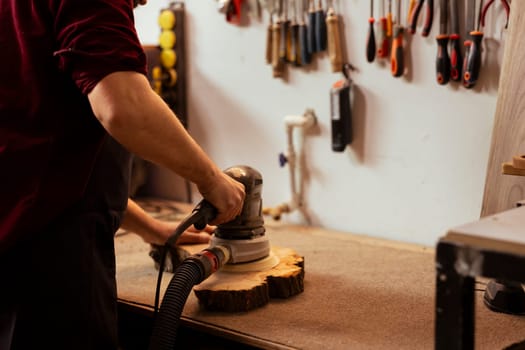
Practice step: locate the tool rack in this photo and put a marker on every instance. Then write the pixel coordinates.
(168, 76)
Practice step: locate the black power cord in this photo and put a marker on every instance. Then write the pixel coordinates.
(203, 213)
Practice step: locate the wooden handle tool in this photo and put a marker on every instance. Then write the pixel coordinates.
(271, 10)
(277, 61)
(335, 51)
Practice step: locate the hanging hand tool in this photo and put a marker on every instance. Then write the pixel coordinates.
(411, 7)
(335, 50)
(469, 27)
(234, 11)
(284, 47)
(371, 39)
(341, 110)
(473, 59)
(471, 73)
(389, 24)
(397, 55)
(305, 53)
(311, 42)
(294, 53)
(253, 9)
(320, 27)
(429, 17)
(277, 60)
(271, 8)
(442, 60)
(382, 33)
(456, 60)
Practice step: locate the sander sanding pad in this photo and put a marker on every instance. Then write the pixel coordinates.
(254, 266)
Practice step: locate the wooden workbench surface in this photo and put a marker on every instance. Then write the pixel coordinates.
(360, 293)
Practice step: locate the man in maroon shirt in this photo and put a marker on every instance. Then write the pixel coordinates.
(74, 100)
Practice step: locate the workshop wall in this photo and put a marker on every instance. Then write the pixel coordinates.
(418, 161)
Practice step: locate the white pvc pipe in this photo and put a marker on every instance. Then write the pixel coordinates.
(295, 157)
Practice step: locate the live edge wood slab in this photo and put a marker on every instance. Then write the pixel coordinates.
(234, 291)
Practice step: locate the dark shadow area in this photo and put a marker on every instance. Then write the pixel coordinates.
(135, 331)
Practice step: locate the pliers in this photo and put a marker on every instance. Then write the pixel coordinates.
(428, 20)
(506, 6)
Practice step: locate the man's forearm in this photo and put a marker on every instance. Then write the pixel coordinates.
(138, 118)
(138, 221)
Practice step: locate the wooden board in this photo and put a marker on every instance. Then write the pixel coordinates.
(231, 291)
(508, 136)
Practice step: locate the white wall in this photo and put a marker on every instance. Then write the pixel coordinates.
(417, 165)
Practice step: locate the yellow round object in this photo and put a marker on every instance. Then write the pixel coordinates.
(168, 58)
(167, 39)
(171, 77)
(156, 73)
(167, 19)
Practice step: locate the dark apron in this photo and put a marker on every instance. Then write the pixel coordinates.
(58, 290)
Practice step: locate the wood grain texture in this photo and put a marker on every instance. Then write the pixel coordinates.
(243, 291)
(508, 135)
(510, 169)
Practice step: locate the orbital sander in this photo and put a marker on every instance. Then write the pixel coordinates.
(244, 236)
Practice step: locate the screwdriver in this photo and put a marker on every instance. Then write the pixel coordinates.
(382, 49)
(293, 34)
(335, 52)
(371, 39)
(269, 33)
(469, 26)
(456, 60)
(442, 60)
(397, 66)
(320, 27)
(389, 20)
(285, 27)
(305, 53)
(277, 61)
(471, 74)
(312, 46)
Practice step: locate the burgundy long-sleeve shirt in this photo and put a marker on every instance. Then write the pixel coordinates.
(52, 54)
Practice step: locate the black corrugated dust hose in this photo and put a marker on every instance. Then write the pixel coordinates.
(193, 270)
(186, 276)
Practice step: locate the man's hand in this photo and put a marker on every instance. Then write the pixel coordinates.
(226, 195)
(155, 231)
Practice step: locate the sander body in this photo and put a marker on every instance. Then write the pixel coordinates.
(245, 235)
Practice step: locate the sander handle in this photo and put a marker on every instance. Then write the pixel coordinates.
(206, 213)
